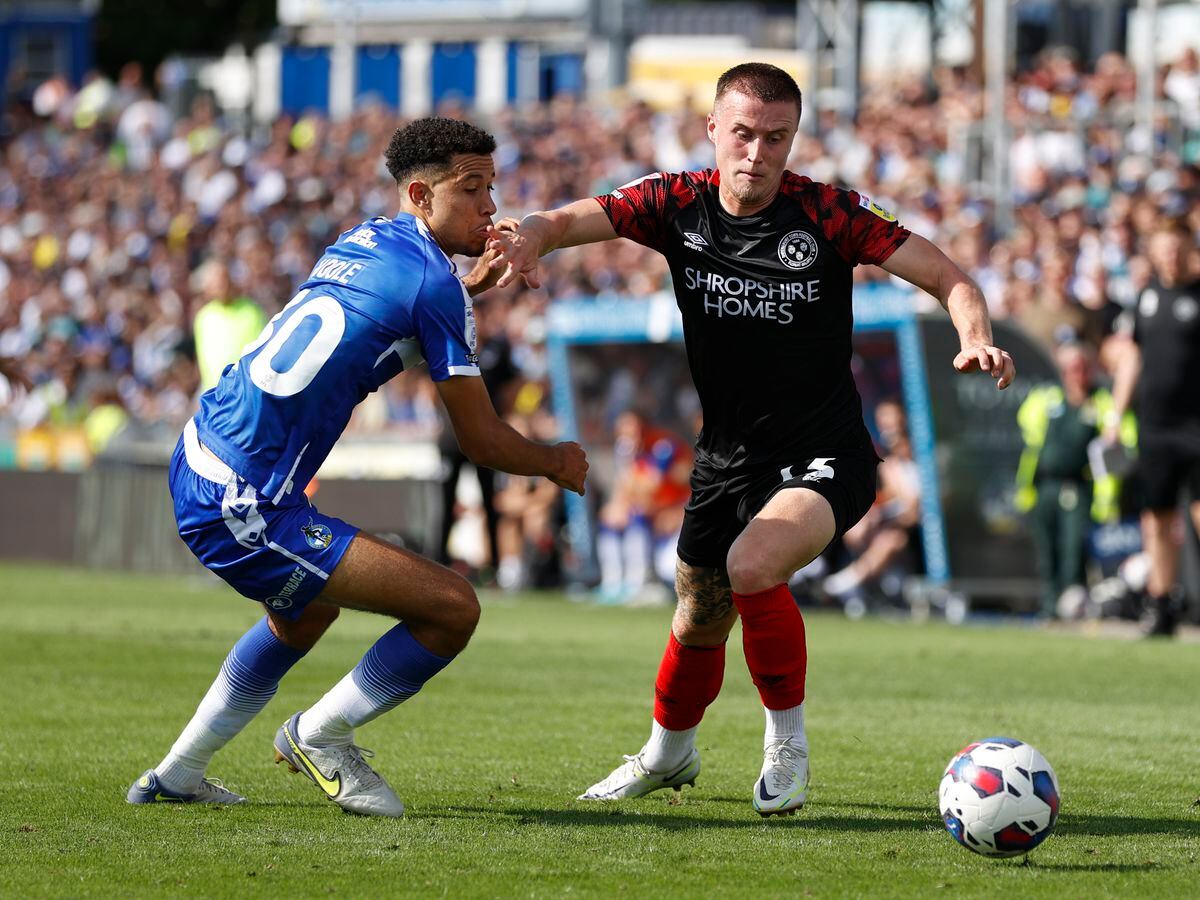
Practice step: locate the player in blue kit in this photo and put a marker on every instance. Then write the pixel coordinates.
(380, 300)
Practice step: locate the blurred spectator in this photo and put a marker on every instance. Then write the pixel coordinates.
(106, 419)
(499, 377)
(108, 204)
(1182, 85)
(1163, 364)
(1056, 484)
(224, 325)
(13, 377)
(640, 521)
(529, 510)
(888, 538)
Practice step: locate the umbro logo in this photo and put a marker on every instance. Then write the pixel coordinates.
(694, 241)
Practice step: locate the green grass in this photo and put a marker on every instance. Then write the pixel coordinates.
(102, 671)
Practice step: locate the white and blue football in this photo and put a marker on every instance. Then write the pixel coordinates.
(999, 797)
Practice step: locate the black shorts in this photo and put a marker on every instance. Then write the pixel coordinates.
(1166, 462)
(722, 505)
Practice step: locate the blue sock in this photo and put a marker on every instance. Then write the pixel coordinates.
(394, 669)
(254, 666)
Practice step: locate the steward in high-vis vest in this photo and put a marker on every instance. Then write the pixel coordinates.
(1055, 482)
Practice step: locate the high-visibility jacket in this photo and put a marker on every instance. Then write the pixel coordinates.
(1034, 420)
(222, 331)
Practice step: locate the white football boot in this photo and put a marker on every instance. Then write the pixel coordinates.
(340, 772)
(149, 789)
(782, 787)
(633, 779)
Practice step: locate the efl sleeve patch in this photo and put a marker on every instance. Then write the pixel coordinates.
(871, 206)
(863, 232)
(445, 325)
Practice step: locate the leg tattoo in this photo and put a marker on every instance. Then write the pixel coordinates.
(705, 598)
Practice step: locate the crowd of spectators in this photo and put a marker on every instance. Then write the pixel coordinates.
(111, 209)
(114, 212)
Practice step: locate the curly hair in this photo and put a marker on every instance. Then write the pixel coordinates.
(768, 83)
(430, 144)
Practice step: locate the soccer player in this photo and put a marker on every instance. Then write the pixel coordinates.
(761, 260)
(1162, 366)
(380, 300)
(644, 510)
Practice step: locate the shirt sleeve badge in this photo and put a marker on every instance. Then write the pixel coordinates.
(871, 206)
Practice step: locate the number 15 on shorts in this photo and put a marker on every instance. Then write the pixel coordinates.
(818, 468)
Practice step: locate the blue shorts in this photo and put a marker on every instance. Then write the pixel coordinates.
(280, 555)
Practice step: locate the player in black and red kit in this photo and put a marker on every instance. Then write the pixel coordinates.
(1163, 365)
(761, 260)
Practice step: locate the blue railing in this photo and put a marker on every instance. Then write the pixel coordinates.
(656, 320)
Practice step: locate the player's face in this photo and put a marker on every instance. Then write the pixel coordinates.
(753, 140)
(889, 419)
(461, 207)
(1168, 255)
(1075, 367)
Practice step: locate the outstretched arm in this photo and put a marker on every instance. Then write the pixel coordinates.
(920, 263)
(518, 250)
(1125, 378)
(489, 441)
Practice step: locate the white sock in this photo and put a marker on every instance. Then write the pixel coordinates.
(608, 554)
(508, 576)
(813, 571)
(392, 671)
(783, 724)
(665, 557)
(635, 550)
(668, 749)
(246, 683)
(842, 583)
(212, 727)
(331, 721)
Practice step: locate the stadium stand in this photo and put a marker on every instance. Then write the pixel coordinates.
(113, 208)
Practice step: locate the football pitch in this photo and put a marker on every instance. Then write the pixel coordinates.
(102, 670)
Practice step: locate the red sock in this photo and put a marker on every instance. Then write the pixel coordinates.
(773, 639)
(689, 679)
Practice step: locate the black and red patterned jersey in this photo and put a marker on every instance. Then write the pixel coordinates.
(766, 308)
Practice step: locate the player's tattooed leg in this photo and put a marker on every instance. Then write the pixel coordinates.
(705, 613)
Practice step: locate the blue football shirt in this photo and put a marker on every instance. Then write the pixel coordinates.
(381, 300)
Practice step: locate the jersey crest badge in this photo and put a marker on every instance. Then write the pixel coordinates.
(798, 250)
(871, 206)
(319, 537)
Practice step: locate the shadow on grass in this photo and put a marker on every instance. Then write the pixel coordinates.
(841, 818)
(1098, 868)
(1105, 826)
(689, 817)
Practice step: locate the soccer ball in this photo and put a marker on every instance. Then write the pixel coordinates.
(999, 797)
